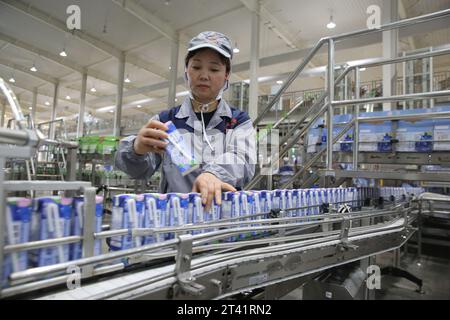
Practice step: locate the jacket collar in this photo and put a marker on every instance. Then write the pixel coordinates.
(186, 111)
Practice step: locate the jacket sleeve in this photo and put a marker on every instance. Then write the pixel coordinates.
(236, 165)
(136, 166)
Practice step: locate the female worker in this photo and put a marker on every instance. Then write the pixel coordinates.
(223, 137)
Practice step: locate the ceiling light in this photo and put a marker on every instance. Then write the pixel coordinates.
(47, 103)
(279, 82)
(33, 68)
(12, 80)
(362, 69)
(331, 24)
(30, 108)
(68, 97)
(236, 49)
(93, 89)
(111, 111)
(63, 53)
(138, 106)
(127, 80)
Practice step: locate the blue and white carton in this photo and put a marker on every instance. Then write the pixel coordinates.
(17, 225)
(196, 210)
(128, 213)
(78, 220)
(54, 222)
(155, 215)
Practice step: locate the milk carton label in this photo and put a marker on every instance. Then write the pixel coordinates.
(180, 152)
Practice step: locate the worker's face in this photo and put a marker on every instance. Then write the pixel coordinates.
(207, 75)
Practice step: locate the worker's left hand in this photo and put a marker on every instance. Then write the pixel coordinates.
(209, 186)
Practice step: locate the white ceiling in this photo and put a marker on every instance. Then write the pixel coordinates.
(33, 31)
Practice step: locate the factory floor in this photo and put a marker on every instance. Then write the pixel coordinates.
(433, 270)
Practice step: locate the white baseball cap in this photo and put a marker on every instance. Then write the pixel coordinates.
(214, 40)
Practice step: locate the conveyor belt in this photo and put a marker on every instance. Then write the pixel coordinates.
(274, 259)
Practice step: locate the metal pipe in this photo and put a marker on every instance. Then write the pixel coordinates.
(10, 136)
(289, 81)
(80, 124)
(395, 25)
(50, 121)
(403, 58)
(41, 244)
(61, 267)
(413, 96)
(330, 89)
(119, 97)
(356, 116)
(419, 116)
(3, 204)
(13, 102)
(433, 197)
(287, 115)
(61, 143)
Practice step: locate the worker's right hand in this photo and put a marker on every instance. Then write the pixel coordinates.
(149, 138)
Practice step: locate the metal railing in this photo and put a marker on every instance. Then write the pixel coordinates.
(328, 95)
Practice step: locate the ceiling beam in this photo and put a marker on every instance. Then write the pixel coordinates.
(273, 24)
(54, 58)
(297, 55)
(134, 8)
(73, 102)
(38, 75)
(98, 44)
(60, 60)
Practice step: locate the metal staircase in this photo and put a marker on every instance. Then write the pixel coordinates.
(323, 164)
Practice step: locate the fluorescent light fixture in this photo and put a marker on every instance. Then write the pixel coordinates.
(362, 69)
(331, 24)
(279, 82)
(236, 49)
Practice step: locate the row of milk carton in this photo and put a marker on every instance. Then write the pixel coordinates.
(56, 217)
(154, 210)
(41, 219)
